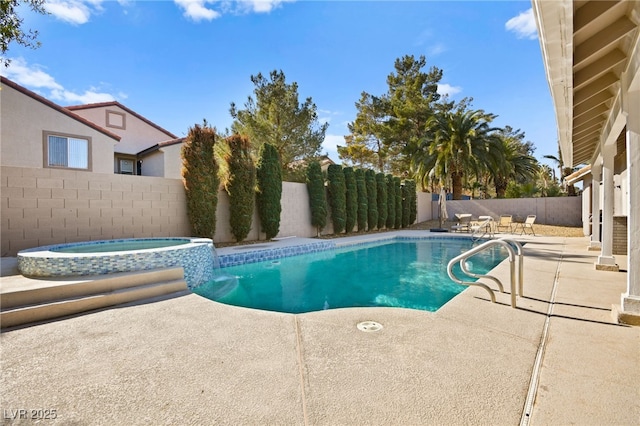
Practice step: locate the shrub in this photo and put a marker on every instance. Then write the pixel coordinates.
(317, 196)
(337, 197)
(241, 185)
(391, 202)
(413, 201)
(363, 209)
(269, 176)
(381, 186)
(406, 199)
(351, 198)
(398, 193)
(200, 178)
(372, 198)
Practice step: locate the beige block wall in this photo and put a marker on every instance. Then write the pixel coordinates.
(564, 211)
(51, 206)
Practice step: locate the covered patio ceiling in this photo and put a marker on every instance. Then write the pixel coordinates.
(586, 47)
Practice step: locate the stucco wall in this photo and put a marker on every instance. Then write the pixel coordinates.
(153, 165)
(137, 134)
(172, 161)
(23, 122)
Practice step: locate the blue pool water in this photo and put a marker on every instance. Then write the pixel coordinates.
(400, 273)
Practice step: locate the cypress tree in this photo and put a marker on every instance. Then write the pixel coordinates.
(406, 199)
(337, 197)
(372, 198)
(413, 202)
(200, 178)
(317, 196)
(269, 176)
(241, 185)
(352, 198)
(381, 185)
(398, 193)
(391, 202)
(363, 209)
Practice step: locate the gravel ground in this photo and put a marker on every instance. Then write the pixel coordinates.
(548, 230)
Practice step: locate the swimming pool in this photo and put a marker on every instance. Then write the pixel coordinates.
(404, 273)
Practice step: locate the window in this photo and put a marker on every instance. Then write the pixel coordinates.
(126, 167)
(67, 151)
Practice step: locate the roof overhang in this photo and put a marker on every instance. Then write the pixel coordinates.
(586, 46)
(578, 175)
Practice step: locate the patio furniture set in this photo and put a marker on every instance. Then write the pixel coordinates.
(487, 224)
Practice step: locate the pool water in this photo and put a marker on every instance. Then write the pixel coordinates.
(119, 245)
(400, 273)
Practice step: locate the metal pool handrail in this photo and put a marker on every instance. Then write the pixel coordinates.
(507, 243)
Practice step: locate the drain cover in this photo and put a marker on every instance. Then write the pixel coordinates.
(369, 326)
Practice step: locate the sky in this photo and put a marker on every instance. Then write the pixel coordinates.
(179, 62)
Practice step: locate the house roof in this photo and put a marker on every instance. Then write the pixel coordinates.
(160, 145)
(587, 46)
(58, 108)
(119, 105)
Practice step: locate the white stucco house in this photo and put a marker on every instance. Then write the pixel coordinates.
(591, 53)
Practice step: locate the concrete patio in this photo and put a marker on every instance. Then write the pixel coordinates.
(559, 358)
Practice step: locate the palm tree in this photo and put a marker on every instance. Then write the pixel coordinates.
(457, 142)
(514, 163)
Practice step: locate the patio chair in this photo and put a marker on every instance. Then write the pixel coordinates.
(505, 223)
(527, 224)
(483, 226)
(464, 221)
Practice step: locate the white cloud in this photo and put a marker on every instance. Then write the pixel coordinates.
(27, 76)
(447, 89)
(523, 25)
(197, 10)
(88, 97)
(330, 146)
(324, 115)
(34, 78)
(437, 49)
(73, 11)
(262, 6)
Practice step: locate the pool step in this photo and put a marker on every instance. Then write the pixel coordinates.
(43, 300)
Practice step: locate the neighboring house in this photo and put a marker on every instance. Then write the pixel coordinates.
(591, 53)
(37, 133)
(140, 138)
(103, 137)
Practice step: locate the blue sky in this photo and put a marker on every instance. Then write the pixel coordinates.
(179, 62)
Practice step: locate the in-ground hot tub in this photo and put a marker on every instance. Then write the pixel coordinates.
(195, 255)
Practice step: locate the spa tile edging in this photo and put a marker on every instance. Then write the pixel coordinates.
(196, 258)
